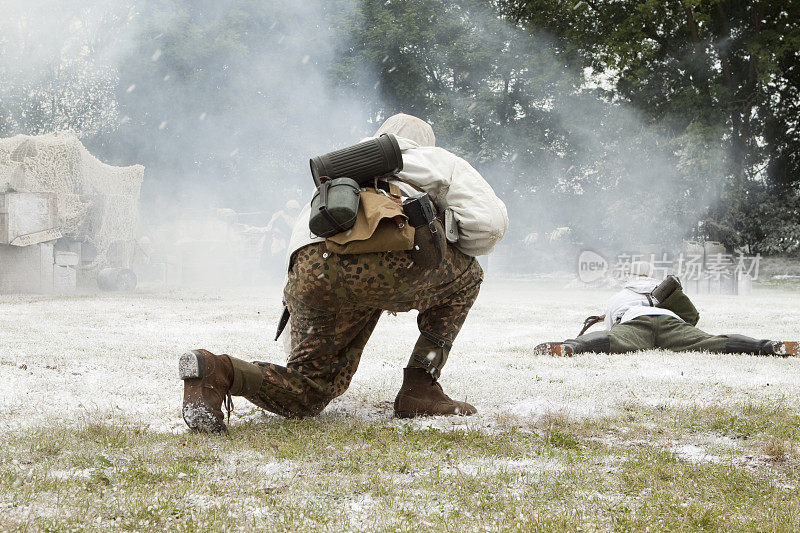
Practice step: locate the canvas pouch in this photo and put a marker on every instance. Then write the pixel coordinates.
(380, 226)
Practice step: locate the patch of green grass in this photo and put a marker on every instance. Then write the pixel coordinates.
(683, 495)
(340, 473)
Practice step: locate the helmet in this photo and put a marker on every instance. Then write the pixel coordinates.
(410, 127)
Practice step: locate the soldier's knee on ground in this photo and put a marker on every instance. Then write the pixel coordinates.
(297, 404)
(309, 407)
(597, 341)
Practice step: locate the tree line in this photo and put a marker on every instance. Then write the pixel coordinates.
(630, 122)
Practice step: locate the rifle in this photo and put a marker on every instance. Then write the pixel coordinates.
(591, 321)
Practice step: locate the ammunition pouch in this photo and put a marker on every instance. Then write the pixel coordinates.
(430, 241)
(380, 226)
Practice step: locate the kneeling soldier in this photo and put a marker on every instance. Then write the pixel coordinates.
(335, 299)
(636, 320)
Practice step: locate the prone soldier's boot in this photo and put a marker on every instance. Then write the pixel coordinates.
(421, 395)
(555, 349)
(207, 381)
(786, 348)
(749, 345)
(597, 342)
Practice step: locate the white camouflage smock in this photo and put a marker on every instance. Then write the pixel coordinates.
(453, 185)
(631, 302)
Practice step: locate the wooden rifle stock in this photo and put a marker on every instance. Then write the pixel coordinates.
(591, 321)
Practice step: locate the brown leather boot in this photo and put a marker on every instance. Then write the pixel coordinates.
(207, 380)
(421, 395)
(555, 349)
(786, 348)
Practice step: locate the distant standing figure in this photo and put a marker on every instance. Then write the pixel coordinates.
(278, 232)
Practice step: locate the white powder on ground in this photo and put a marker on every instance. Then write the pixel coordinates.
(67, 360)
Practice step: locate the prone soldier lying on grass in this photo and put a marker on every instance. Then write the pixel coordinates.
(648, 314)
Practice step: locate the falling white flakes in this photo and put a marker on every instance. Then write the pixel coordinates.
(162, 125)
(457, 410)
(125, 119)
(321, 276)
(131, 88)
(235, 152)
(156, 55)
(376, 85)
(273, 25)
(305, 59)
(325, 255)
(349, 232)
(416, 246)
(431, 355)
(167, 77)
(514, 157)
(309, 330)
(202, 116)
(392, 69)
(281, 38)
(471, 106)
(410, 264)
(385, 58)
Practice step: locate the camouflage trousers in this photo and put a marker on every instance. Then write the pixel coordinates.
(335, 302)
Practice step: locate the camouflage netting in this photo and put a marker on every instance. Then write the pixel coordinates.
(97, 203)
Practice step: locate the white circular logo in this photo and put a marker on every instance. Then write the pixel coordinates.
(591, 266)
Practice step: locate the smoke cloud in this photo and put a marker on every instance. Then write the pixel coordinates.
(225, 101)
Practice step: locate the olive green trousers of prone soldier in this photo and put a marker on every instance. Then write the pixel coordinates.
(665, 332)
(335, 302)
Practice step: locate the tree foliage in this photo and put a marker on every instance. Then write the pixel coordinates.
(520, 107)
(628, 121)
(54, 76)
(718, 65)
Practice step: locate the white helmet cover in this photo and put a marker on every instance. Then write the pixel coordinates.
(410, 127)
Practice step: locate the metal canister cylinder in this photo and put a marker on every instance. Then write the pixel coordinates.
(361, 162)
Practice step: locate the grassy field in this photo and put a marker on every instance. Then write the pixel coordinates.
(713, 469)
(92, 438)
